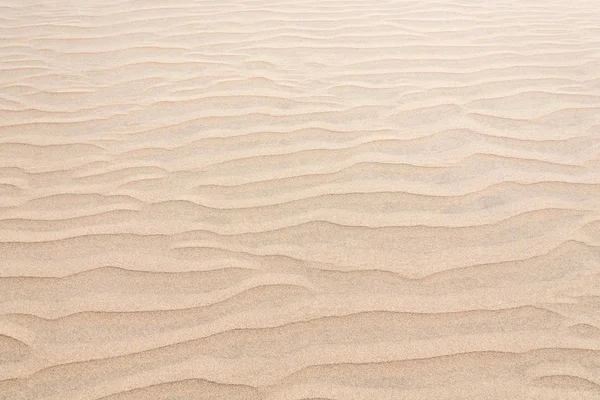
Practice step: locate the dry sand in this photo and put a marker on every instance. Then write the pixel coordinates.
(299, 200)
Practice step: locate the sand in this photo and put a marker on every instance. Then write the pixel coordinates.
(299, 200)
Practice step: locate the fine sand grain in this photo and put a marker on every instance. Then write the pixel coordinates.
(261, 199)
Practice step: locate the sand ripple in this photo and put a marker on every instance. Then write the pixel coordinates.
(299, 200)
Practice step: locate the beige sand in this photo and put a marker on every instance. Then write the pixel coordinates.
(299, 200)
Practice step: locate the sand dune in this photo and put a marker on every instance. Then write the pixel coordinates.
(299, 200)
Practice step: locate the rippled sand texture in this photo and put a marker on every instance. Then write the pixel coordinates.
(299, 200)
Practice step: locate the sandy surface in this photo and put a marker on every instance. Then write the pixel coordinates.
(299, 200)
